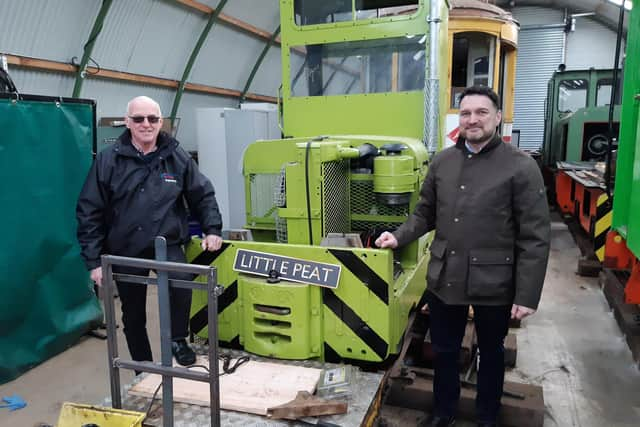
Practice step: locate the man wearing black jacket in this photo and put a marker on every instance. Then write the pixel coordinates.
(136, 190)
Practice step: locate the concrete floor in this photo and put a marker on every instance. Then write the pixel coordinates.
(572, 347)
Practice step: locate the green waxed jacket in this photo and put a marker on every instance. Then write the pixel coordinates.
(491, 221)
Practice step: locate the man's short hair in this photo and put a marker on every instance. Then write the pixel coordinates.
(484, 91)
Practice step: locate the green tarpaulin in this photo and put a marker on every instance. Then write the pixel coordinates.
(46, 302)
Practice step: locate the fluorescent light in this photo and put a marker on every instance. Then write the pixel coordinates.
(627, 4)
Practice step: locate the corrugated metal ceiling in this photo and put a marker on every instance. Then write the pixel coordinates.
(54, 30)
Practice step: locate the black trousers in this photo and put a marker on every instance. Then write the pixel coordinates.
(133, 297)
(447, 330)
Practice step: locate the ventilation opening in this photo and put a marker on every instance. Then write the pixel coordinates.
(269, 336)
(272, 309)
(272, 323)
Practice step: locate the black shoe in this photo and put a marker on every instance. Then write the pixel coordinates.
(183, 353)
(436, 421)
(487, 424)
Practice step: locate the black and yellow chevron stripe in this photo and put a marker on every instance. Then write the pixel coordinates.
(602, 225)
(360, 337)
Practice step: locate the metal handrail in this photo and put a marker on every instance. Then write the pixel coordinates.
(165, 368)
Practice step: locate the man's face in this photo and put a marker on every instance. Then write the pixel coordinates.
(145, 132)
(478, 119)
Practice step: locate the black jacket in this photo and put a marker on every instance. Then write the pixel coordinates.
(491, 218)
(128, 199)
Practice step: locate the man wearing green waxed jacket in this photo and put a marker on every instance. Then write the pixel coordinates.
(487, 203)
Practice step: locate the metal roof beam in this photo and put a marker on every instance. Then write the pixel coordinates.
(88, 46)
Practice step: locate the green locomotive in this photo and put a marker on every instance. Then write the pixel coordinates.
(365, 99)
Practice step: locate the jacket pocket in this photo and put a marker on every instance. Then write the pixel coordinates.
(490, 273)
(437, 260)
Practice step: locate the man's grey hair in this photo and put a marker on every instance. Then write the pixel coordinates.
(146, 99)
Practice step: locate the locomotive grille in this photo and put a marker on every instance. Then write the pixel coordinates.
(262, 187)
(369, 211)
(335, 201)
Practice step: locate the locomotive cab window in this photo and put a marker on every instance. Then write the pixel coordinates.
(356, 67)
(572, 95)
(313, 12)
(603, 92)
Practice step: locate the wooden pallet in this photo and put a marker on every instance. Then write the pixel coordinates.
(417, 394)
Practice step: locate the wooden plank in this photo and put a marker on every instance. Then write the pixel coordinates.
(307, 405)
(467, 343)
(197, 6)
(588, 263)
(510, 350)
(211, 89)
(515, 323)
(229, 20)
(253, 387)
(238, 24)
(135, 78)
(466, 349)
(194, 87)
(526, 412)
(40, 64)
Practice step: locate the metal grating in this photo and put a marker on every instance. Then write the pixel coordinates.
(360, 226)
(335, 192)
(281, 230)
(280, 200)
(262, 187)
(280, 190)
(363, 202)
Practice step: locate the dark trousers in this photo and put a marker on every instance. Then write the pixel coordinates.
(447, 330)
(133, 297)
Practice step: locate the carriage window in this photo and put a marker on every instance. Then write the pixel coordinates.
(572, 95)
(472, 63)
(312, 12)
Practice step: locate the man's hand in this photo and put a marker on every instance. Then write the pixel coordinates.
(96, 275)
(519, 312)
(387, 240)
(211, 242)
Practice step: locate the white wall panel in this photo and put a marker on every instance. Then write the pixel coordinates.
(34, 82)
(590, 45)
(187, 113)
(226, 58)
(264, 14)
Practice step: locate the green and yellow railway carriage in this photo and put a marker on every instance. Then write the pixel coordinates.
(364, 97)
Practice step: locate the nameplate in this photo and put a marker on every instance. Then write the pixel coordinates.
(292, 269)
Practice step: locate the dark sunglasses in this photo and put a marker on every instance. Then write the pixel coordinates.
(140, 119)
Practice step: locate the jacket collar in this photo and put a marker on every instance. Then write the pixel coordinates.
(495, 141)
(166, 144)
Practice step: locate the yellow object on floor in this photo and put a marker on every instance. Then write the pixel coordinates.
(77, 415)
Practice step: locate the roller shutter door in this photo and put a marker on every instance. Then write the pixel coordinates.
(540, 50)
